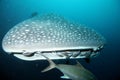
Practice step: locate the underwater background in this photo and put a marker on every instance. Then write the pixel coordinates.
(101, 15)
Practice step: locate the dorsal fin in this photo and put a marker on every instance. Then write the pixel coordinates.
(78, 64)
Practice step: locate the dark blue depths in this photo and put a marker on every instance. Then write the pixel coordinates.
(101, 15)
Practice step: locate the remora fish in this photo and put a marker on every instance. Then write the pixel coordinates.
(74, 72)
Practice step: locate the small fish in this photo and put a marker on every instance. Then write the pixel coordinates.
(74, 72)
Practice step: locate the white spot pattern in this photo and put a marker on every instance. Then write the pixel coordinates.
(49, 31)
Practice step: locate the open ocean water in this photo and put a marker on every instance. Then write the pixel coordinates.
(101, 15)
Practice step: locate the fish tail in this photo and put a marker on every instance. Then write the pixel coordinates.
(51, 64)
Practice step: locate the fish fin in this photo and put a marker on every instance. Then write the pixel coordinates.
(51, 64)
(78, 64)
(65, 77)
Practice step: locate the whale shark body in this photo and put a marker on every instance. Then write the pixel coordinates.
(53, 36)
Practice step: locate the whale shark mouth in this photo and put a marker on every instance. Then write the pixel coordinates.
(53, 36)
(63, 54)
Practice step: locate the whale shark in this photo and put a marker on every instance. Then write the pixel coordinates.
(53, 35)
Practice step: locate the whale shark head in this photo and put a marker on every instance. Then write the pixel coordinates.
(49, 34)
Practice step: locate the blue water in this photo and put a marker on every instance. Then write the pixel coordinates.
(101, 15)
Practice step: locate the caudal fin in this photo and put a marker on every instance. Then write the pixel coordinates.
(51, 64)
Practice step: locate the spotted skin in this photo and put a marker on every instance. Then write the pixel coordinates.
(49, 33)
